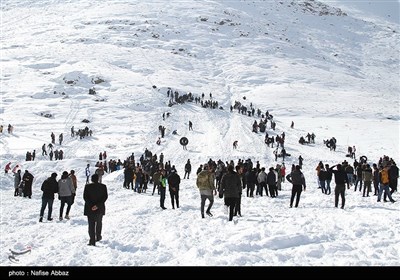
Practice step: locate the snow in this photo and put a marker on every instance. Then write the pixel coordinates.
(334, 75)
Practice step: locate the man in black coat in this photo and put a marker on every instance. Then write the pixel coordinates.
(49, 188)
(296, 178)
(393, 177)
(341, 179)
(231, 187)
(173, 182)
(188, 169)
(95, 195)
(28, 180)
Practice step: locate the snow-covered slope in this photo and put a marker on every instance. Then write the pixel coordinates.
(332, 71)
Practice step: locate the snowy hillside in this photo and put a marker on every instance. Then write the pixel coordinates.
(329, 66)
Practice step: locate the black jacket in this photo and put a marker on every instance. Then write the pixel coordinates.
(49, 188)
(173, 181)
(296, 177)
(231, 185)
(271, 178)
(95, 194)
(340, 176)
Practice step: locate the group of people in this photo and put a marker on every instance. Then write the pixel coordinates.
(235, 178)
(383, 176)
(66, 189)
(229, 185)
(95, 195)
(58, 154)
(310, 139)
(10, 129)
(230, 179)
(22, 183)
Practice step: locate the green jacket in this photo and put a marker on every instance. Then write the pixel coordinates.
(163, 181)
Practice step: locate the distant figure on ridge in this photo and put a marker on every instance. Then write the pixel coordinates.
(235, 144)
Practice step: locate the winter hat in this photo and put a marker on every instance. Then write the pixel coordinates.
(54, 175)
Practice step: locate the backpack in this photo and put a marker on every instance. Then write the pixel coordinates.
(202, 180)
(384, 176)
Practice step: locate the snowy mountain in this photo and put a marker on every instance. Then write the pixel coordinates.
(331, 67)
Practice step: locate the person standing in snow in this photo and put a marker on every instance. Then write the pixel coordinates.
(44, 153)
(28, 180)
(231, 187)
(7, 168)
(393, 177)
(100, 171)
(49, 188)
(235, 144)
(65, 192)
(341, 179)
(173, 182)
(95, 195)
(384, 180)
(188, 169)
(241, 172)
(271, 182)
(17, 181)
(298, 181)
(163, 186)
(60, 138)
(87, 173)
(205, 183)
(74, 183)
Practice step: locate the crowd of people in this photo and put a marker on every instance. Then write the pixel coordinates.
(226, 179)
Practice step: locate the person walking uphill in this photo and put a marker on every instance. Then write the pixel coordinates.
(95, 195)
(49, 188)
(298, 181)
(205, 183)
(231, 187)
(341, 179)
(173, 182)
